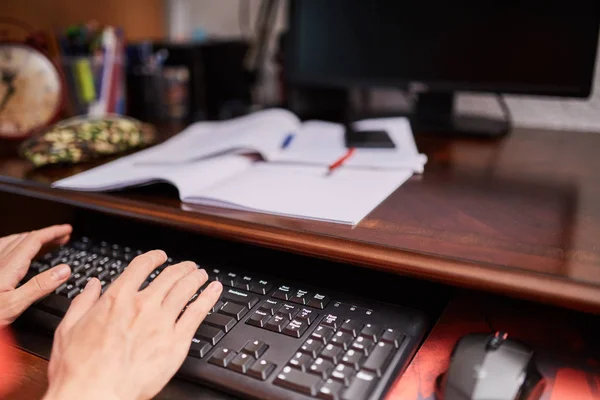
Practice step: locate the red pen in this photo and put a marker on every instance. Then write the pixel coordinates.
(341, 160)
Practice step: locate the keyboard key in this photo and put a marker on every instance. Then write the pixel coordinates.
(311, 347)
(255, 348)
(393, 336)
(71, 293)
(217, 306)
(298, 381)
(103, 275)
(322, 334)
(353, 358)
(259, 318)
(371, 332)
(295, 328)
(306, 315)
(237, 296)
(330, 390)
(243, 282)
(331, 321)
(318, 301)
(332, 353)
(270, 306)
(209, 333)
(39, 266)
(352, 326)
(222, 357)
(363, 383)
(58, 289)
(78, 279)
(261, 370)
(288, 310)
(343, 374)
(113, 275)
(220, 321)
(260, 287)
(234, 310)
(283, 293)
(379, 358)
(300, 297)
(241, 363)
(199, 348)
(301, 361)
(229, 279)
(277, 323)
(363, 344)
(342, 339)
(321, 367)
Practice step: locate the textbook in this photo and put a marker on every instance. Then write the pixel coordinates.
(215, 163)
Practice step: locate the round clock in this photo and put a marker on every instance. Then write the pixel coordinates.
(31, 90)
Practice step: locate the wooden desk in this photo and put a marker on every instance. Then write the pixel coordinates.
(519, 216)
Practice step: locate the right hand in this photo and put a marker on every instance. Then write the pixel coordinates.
(128, 344)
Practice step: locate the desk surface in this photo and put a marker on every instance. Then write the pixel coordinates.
(518, 216)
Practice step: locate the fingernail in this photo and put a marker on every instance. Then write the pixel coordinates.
(215, 286)
(61, 272)
(91, 282)
(203, 271)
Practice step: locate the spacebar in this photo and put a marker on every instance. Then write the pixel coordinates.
(55, 304)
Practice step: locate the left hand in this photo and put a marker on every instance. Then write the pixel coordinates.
(16, 253)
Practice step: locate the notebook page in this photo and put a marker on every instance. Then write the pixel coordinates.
(345, 197)
(262, 132)
(322, 143)
(189, 178)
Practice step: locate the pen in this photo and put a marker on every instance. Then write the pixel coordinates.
(341, 160)
(287, 141)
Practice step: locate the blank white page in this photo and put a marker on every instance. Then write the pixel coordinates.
(189, 178)
(346, 196)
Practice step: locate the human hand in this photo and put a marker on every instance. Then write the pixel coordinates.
(128, 343)
(16, 253)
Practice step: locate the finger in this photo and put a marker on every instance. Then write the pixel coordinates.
(183, 290)
(82, 304)
(42, 285)
(138, 270)
(33, 242)
(196, 312)
(163, 283)
(48, 247)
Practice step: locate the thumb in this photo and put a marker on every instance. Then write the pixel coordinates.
(41, 285)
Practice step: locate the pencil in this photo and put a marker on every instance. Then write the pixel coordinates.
(341, 160)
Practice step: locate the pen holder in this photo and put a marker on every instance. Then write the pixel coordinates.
(158, 94)
(95, 84)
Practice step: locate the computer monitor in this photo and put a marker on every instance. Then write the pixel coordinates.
(437, 47)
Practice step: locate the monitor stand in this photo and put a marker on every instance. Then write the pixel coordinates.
(434, 113)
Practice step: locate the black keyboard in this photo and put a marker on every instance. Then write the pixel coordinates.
(266, 338)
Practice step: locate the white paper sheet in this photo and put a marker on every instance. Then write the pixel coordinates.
(346, 196)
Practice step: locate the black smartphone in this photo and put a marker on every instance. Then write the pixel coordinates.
(370, 139)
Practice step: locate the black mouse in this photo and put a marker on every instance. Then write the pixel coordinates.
(490, 367)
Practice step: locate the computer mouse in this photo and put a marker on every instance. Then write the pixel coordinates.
(490, 367)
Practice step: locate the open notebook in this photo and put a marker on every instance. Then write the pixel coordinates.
(206, 164)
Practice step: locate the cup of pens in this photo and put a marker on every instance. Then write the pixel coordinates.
(93, 64)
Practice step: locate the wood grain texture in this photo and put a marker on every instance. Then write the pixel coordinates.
(31, 381)
(518, 216)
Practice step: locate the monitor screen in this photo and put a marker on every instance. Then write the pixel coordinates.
(506, 46)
